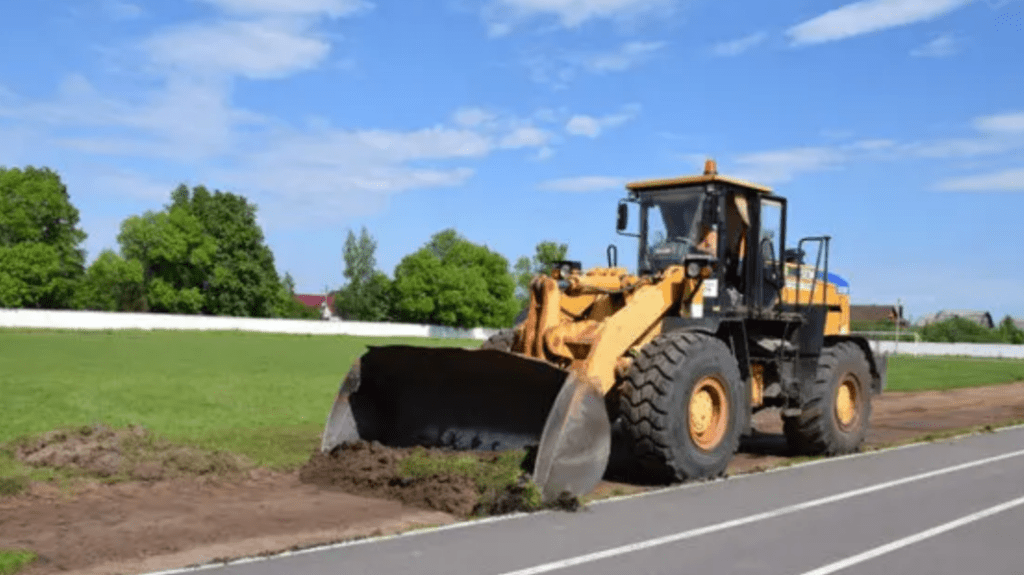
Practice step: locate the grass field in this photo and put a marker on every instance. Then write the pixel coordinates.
(262, 395)
(908, 373)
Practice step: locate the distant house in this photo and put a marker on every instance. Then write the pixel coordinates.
(1018, 322)
(324, 303)
(982, 318)
(876, 313)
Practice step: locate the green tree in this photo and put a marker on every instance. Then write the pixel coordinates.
(452, 281)
(545, 254)
(41, 259)
(367, 293)
(1009, 332)
(175, 255)
(289, 306)
(241, 279)
(112, 284)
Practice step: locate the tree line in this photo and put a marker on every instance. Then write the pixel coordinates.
(958, 329)
(952, 330)
(205, 253)
(449, 281)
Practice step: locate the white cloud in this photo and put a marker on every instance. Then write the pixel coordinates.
(190, 124)
(584, 126)
(739, 45)
(260, 49)
(503, 15)
(583, 184)
(555, 72)
(869, 16)
(121, 10)
(957, 147)
(997, 134)
(473, 117)
(121, 183)
(779, 166)
(625, 57)
(332, 8)
(330, 173)
(942, 46)
(591, 127)
(1008, 123)
(559, 69)
(429, 143)
(184, 120)
(871, 145)
(1011, 180)
(525, 137)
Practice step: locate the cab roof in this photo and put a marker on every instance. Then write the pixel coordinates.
(710, 175)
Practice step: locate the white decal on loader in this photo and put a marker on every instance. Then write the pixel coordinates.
(711, 287)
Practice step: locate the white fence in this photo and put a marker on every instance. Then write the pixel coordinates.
(998, 350)
(96, 320)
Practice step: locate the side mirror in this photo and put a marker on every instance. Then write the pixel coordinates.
(623, 218)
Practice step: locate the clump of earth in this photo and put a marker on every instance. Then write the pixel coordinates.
(132, 453)
(375, 470)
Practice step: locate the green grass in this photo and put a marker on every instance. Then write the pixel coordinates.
(497, 481)
(12, 561)
(265, 396)
(16, 476)
(908, 373)
(504, 471)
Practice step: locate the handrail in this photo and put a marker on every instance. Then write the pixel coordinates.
(823, 249)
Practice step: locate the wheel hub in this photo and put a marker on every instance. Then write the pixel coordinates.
(846, 402)
(709, 410)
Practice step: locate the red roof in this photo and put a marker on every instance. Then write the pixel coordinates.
(310, 300)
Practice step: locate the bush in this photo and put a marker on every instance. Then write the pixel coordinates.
(958, 329)
(1010, 332)
(880, 325)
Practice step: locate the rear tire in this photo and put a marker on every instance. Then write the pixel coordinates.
(837, 407)
(501, 341)
(682, 407)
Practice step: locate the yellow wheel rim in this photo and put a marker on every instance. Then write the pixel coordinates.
(846, 402)
(709, 413)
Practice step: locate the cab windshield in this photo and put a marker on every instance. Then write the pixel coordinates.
(672, 225)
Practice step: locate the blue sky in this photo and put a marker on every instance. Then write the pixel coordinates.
(895, 126)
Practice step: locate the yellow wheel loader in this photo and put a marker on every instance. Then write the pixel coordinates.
(720, 320)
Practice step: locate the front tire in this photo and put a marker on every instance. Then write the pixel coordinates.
(837, 408)
(682, 407)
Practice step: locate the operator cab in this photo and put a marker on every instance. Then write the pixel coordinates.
(734, 227)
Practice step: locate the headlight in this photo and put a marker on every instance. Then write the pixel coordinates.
(693, 269)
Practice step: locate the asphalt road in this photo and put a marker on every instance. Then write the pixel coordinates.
(949, 507)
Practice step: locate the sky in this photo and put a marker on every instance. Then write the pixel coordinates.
(894, 126)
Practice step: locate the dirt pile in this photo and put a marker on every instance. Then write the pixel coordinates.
(133, 453)
(460, 483)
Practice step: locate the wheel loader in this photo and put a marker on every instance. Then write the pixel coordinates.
(721, 319)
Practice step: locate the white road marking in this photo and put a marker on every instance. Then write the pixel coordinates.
(917, 537)
(789, 509)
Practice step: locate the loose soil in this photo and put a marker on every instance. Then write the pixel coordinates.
(133, 453)
(191, 514)
(371, 469)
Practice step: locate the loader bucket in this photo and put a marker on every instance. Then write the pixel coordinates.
(482, 400)
(404, 396)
